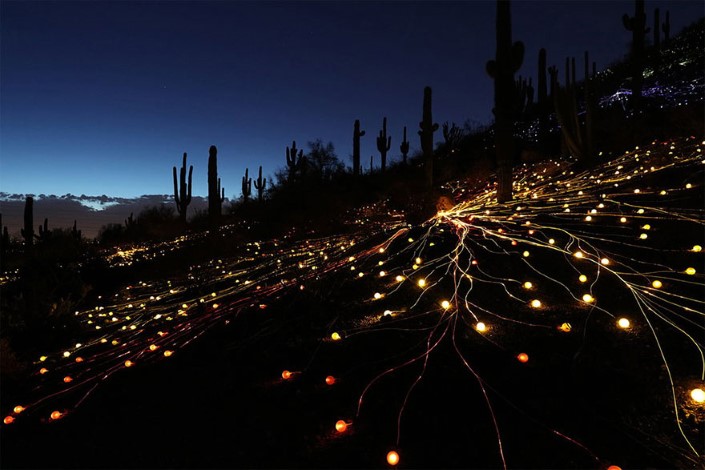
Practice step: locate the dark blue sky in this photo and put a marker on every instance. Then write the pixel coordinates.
(104, 97)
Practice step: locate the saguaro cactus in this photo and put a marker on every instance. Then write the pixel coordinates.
(357, 133)
(384, 143)
(215, 200)
(427, 128)
(44, 233)
(637, 25)
(246, 186)
(74, 232)
(404, 147)
(182, 191)
(293, 162)
(509, 57)
(260, 184)
(28, 230)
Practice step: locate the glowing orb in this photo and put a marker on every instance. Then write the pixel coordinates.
(646, 227)
(418, 260)
(8, 420)
(528, 285)
(565, 327)
(153, 347)
(698, 395)
(67, 353)
(536, 303)
(335, 336)
(387, 313)
(588, 298)
(605, 261)
(623, 323)
(18, 409)
(643, 236)
(551, 241)
(525, 254)
(523, 357)
(445, 304)
(286, 375)
(381, 250)
(43, 370)
(697, 248)
(588, 218)
(422, 282)
(614, 467)
(392, 458)
(481, 327)
(168, 353)
(115, 342)
(215, 306)
(341, 426)
(330, 380)
(688, 186)
(68, 379)
(377, 296)
(55, 415)
(623, 219)
(582, 278)
(129, 363)
(79, 359)
(43, 358)
(657, 284)
(578, 254)
(382, 273)
(690, 271)
(399, 278)
(640, 211)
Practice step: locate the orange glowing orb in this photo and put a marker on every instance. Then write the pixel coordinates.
(286, 375)
(55, 415)
(614, 467)
(43, 370)
(481, 327)
(565, 327)
(8, 420)
(623, 323)
(129, 363)
(536, 303)
(330, 380)
(698, 395)
(79, 359)
(153, 347)
(392, 457)
(68, 379)
(168, 353)
(523, 357)
(18, 409)
(341, 426)
(528, 285)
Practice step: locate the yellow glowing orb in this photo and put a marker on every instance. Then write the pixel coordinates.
(8, 420)
(387, 313)
(698, 395)
(129, 363)
(646, 227)
(67, 353)
(528, 285)
(18, 409)
(330, 380)
(341, 426)
(697, 248)
(168, 353)
(688, 186)
(643, 236)
(392, 458)
(690, 271)
(657, 284)
(588, 218)
(525, 254)
(605, 261)
(399, 278)
(422, 282)
(153, 347)
(335, 336)
(622, 219)
(536, 303)
(624, 323)
(578, 254)
(588, 298)
(382, 273)
(445, 304)
(377, 296)
(43, 358)
(481, 327)
(381, 250)
(418, 260)
(565, 327)
(582, 278)
(640, 211)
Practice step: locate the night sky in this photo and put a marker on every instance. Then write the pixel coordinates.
(103, 98)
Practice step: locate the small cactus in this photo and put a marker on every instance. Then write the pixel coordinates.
(44, 233)
(130, 222)
(246, 186)
(74, 232)
(260, 184)
(293, 161)
(182, 190)
(404, 147)
(357, 133)
(384, 143)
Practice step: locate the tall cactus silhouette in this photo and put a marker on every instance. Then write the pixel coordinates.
(28, 230)
(293, 162)
(637, 25)
(216, 195)
(404, 147)
(384, 143)
(260, 184)
(74, 232)
(182, 190)
(427, 128)
(508, 58)
(357, 133)
(246, 186)
(44, 233)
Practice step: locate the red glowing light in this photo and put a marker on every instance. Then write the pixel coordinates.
(330, 380)
(68, 379)
(286, 375)
(8, 420)
(341, 426)
(523, 357)
(55, 415)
